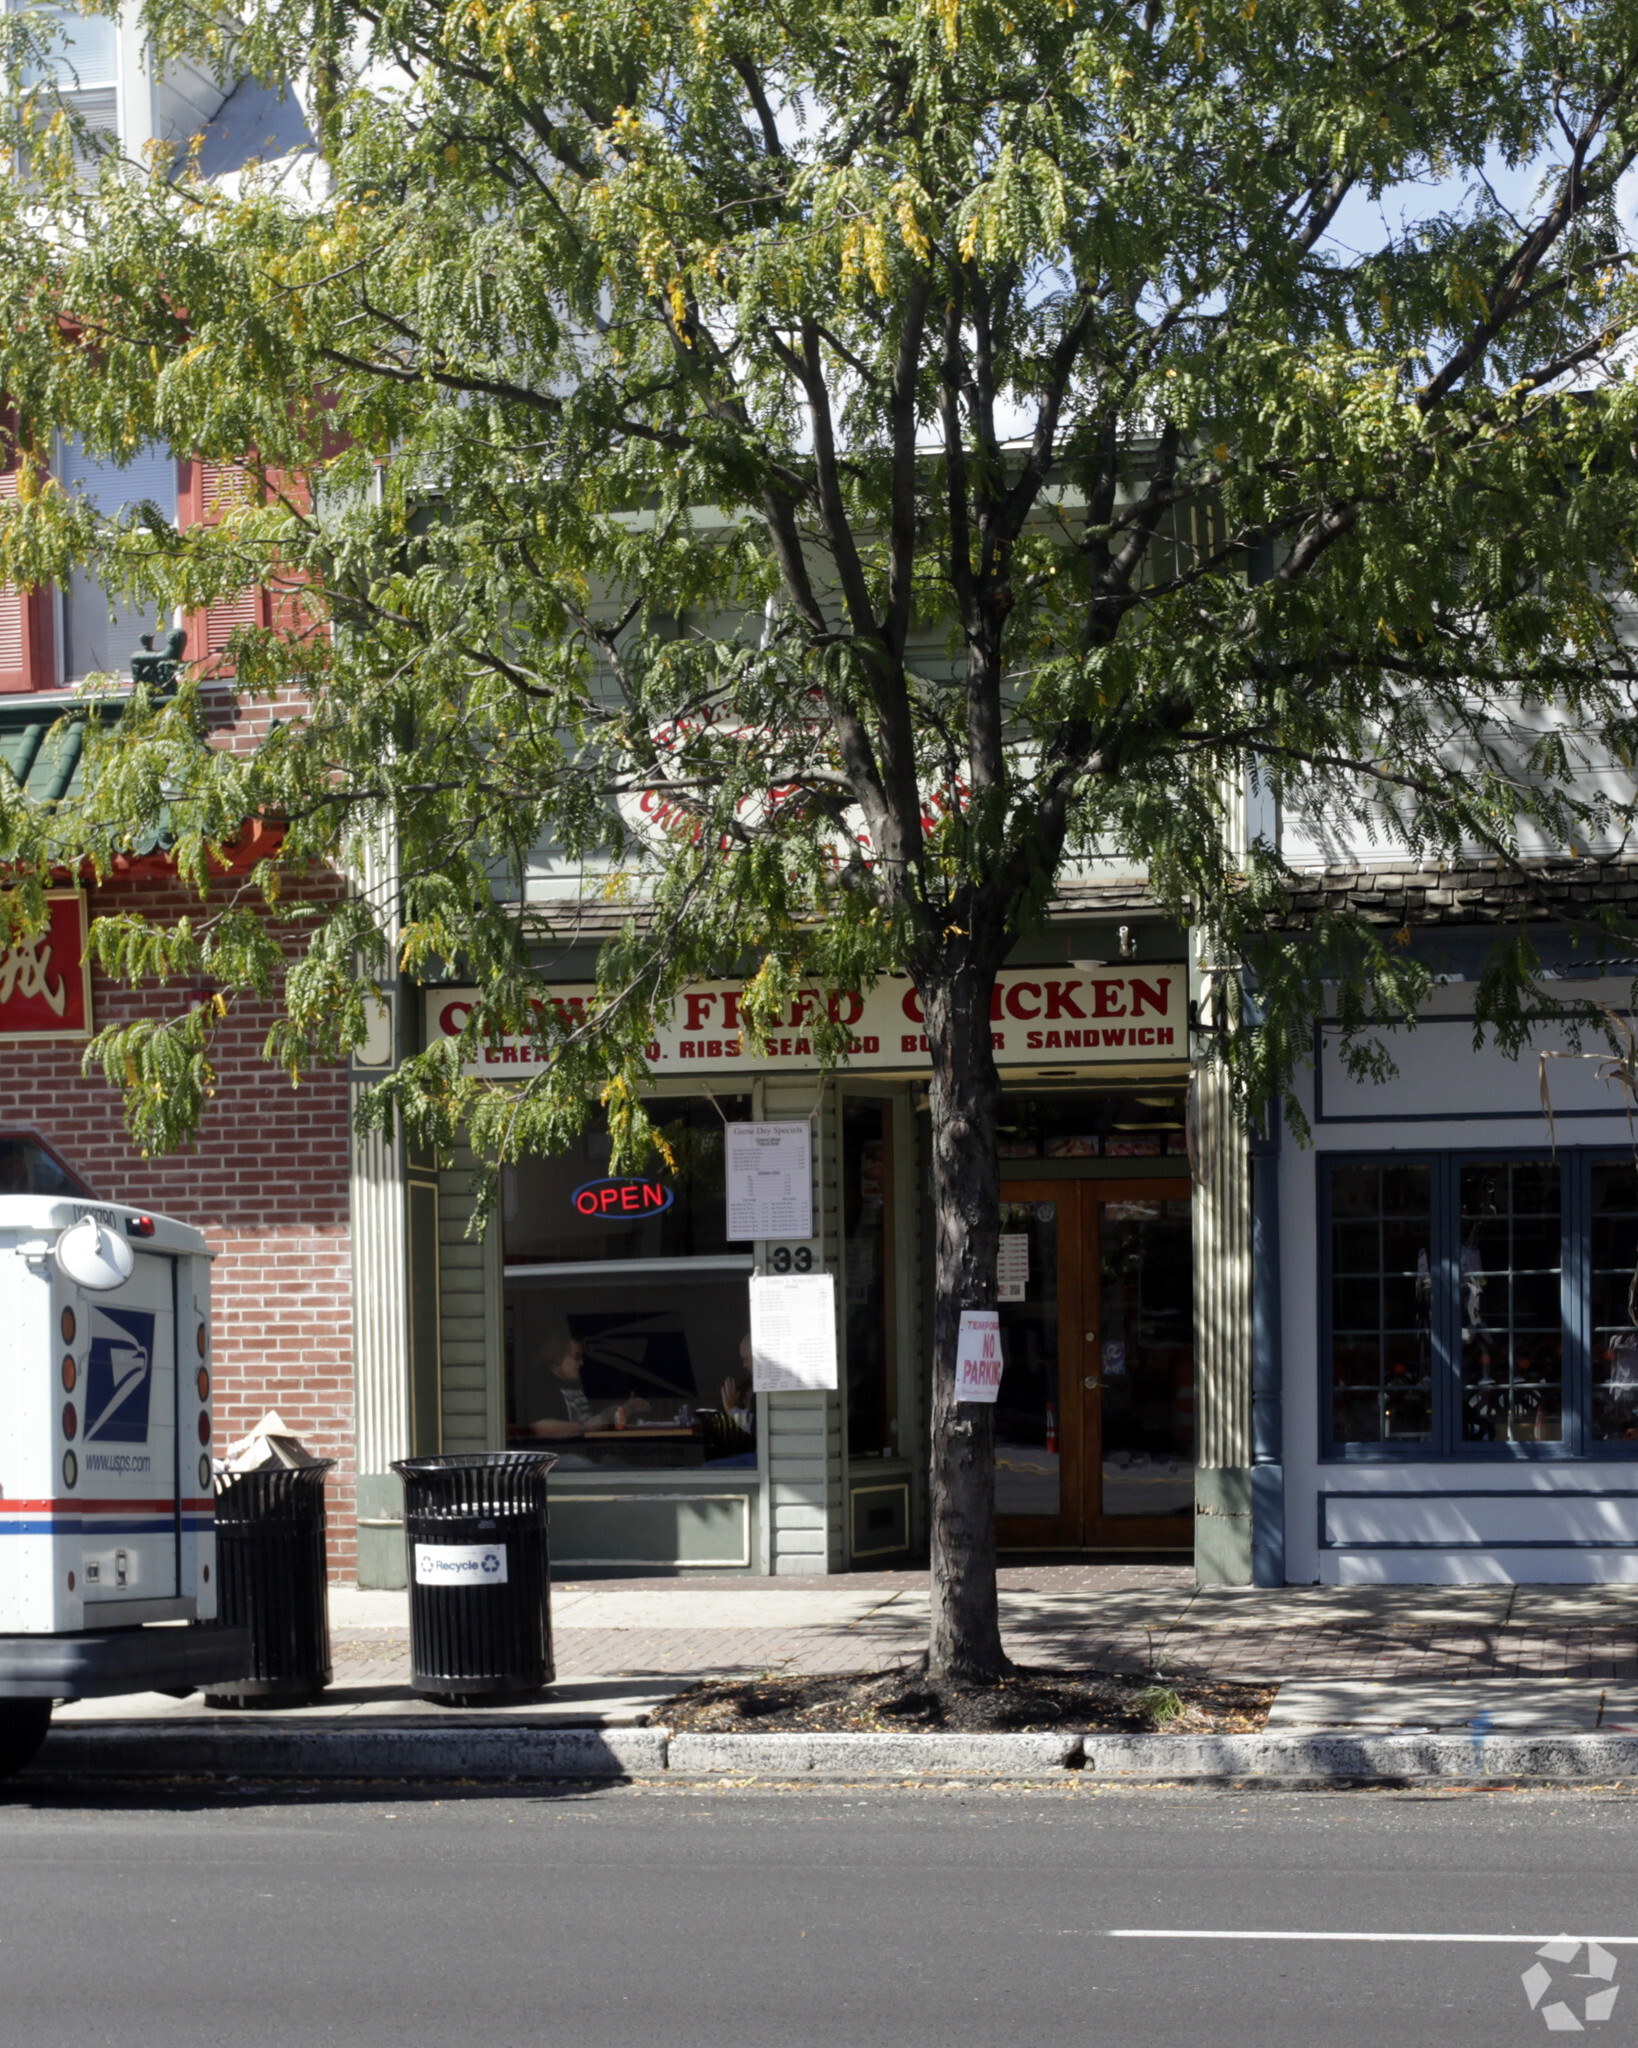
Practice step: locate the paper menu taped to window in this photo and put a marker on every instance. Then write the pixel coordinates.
(1012, 1266)
(793, 1332)
(978, 1355)
(770, 1180)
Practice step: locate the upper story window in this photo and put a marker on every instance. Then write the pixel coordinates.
(85, 64)
(1480, 1306)
(51, 638)
(99, 632)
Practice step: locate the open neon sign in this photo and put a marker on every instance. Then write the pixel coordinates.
(612, 1198)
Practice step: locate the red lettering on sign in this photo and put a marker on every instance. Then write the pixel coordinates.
(452, 1017)
(1114, 1038)
(1106, 999)
(1015, 999)
(699, 1009)
(653, 1197)
(1148, 995)
(1061, 999)
(912, 1009)
(586, 1202)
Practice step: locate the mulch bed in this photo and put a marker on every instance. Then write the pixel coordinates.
(891, 1702)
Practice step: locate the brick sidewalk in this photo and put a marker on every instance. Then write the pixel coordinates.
(1118, 1618)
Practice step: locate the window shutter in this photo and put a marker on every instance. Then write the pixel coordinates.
(204, 491)
(27, 652)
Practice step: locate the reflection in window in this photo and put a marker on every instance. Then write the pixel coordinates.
(872, 1410)
(1511, 1302)
(545, 1226)
(1146, 1335)
(1614, 1307)
(1381, 1304)
(28, 1167)
(1027, 1407)
(100, 633)
(627, 1324)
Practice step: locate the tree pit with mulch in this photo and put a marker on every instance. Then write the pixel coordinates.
(1023, 1702)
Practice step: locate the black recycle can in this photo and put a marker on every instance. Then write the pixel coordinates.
(479, 1577)
(271, 1579)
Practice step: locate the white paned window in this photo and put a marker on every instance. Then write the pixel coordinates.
(99, 635)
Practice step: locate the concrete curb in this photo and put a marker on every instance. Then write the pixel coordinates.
(1342, 1757)
(493, 1751)
(870, 1756)
(453, 1750)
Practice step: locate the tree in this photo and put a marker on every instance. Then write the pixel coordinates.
(915, 446)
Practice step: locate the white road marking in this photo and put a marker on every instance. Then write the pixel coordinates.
(1286, 1934)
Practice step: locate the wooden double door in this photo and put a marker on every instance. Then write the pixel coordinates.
(1095, 1418)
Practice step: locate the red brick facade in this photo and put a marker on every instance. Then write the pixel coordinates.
(267, 1183)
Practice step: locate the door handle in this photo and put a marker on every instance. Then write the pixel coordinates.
(1091, 1336)
(1092, 1382)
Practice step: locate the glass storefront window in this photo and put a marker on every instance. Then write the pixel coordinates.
(1450, 1320)
(1614, 1280)
(1381, 1304)
(867, 1228)
(627, 1312)
(1027, 1406)
(1511, 1302)
(1146, 1328)
(1113, 1123)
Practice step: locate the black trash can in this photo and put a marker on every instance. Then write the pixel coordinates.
(479, 1577)
(272, 1580)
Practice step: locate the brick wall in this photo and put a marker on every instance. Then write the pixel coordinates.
(266, 1183)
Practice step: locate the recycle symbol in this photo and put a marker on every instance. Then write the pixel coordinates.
(491, 1563)
(1559, 2015)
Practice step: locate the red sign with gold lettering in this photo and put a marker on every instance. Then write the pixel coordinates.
(45, 982)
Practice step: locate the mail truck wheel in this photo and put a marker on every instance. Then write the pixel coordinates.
(23, 1725)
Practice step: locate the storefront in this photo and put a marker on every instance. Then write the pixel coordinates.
(1457, 1282)
(606, 1316)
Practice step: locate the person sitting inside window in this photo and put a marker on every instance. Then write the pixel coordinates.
(569, 1408)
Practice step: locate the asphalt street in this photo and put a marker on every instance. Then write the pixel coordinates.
(382, 1918)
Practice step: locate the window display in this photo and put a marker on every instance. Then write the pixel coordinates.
(627, 1317)
(1459, 1317)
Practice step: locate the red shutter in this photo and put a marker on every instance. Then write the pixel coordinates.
(27, 617)
(204, 491)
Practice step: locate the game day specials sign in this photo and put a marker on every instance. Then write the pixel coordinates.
(1038, 1015)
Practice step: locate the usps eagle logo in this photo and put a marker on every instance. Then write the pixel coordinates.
(119, 1371)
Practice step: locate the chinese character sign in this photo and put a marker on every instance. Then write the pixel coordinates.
(45, 981)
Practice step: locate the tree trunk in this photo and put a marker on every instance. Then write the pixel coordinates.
(965, 1099)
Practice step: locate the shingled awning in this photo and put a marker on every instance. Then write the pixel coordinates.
(43, 745)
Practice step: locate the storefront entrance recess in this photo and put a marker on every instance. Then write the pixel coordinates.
(1095, 1420)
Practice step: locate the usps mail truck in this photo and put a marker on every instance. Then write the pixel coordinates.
(107, 1544)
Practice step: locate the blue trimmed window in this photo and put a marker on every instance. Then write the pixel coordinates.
(1480, 1305)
